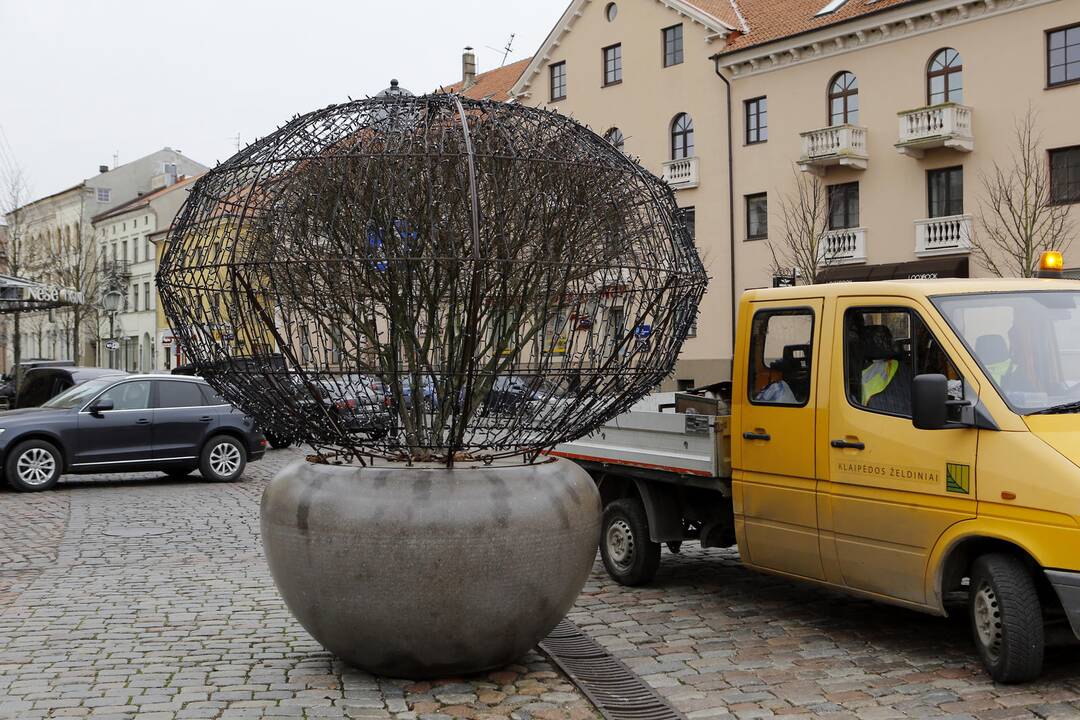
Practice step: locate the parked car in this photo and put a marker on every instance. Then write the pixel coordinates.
(9, 382)
(128, 423)
(43, 383)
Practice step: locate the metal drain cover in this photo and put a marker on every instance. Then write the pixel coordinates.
(135, 531)
(617, 691)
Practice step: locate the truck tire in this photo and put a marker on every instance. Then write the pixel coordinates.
(1006, 618)
(33, 466)
(630, 557)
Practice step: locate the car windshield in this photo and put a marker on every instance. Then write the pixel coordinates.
(1027, 343)
(78, 395)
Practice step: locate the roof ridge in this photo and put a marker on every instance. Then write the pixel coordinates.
(738, 13)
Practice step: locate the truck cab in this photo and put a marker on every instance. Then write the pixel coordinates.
(914, 442)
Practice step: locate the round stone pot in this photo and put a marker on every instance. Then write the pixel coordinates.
(426, 571)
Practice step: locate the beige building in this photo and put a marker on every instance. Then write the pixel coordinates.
(898, 108)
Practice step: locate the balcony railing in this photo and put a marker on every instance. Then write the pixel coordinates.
(681, 173)
(837, 145)
(948, 235)
(843, 247)
(947, 125)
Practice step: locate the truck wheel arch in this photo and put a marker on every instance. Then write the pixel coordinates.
(956, 556)
(662, 505)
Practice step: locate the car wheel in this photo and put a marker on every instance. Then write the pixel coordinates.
(277, 441)
(223, 459)
(630, 557)
(34, 465)
(1006, 618)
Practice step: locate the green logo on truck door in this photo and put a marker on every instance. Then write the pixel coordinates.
(958, 478)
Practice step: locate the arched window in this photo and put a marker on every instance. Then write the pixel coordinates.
(945, 78)
(682, 137)
(844, 99)
(615, 137)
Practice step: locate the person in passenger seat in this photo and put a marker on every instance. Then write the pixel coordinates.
(886, 380)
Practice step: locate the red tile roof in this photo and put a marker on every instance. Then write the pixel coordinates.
(494, 84)
(722, 10)
(770, 20)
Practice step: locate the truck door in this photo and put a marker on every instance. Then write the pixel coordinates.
(774, 482)
(891, 490)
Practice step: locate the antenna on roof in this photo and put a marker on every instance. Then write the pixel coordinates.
(506, 50)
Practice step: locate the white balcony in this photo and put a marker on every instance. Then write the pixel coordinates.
(837, 145)
(681, 173)
(949, 235)
(923, 129)
(843, 247)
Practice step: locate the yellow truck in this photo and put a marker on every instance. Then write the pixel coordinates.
(907, 441)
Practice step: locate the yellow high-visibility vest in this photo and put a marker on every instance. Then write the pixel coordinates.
(877, 377)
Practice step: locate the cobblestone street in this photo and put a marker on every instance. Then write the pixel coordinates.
(140, 596)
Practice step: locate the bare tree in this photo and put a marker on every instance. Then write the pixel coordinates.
(77, 268)
(1018, 218)
(13, 194)
(805, 217)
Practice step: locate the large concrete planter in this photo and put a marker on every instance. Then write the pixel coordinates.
(419, 572)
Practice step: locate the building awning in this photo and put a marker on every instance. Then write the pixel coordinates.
(955, 267)
(20, 295)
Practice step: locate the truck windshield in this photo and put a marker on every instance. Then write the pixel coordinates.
(1027, 343)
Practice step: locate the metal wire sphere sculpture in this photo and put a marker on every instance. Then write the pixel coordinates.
(431, 279)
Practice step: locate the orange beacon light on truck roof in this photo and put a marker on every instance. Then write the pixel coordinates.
(1051, 263)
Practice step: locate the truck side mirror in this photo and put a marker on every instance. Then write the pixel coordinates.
(930, 402)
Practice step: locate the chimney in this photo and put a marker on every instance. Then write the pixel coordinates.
(468, 68)
(103, 168)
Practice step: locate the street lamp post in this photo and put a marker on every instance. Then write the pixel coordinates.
(111, 302)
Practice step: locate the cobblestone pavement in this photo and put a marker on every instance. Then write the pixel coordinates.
(137, 596)
(183, 621)
(720, 641)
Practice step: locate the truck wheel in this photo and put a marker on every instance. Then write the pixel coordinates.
(34, 465)
(1006, 618)
(629, 556)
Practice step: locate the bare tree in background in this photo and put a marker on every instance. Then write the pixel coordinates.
(13, 195)
(1018, 218)
(805, 217)
(77, 268)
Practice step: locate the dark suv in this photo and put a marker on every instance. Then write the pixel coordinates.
(128, 423)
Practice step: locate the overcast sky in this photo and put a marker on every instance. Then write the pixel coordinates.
(83, 80)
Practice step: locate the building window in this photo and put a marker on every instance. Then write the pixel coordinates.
(558, 81)
(125, 251)
(685, 384)
(757, 121)
(611, 11)
(1063, 55)
(945, 191)
(135, 297)
(689, 220)
(757, 216)
(103, 195)
(612, 65)
(1065, 175)
(615, 137)
(843, 206)
(844, 99)
(146, 296)
(682, 137)
(945, 78)
(673, 50)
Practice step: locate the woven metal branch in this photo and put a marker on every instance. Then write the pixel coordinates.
(431, 279)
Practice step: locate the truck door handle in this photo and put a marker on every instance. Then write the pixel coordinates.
(142, 421)
(756, 436)
(843, 444)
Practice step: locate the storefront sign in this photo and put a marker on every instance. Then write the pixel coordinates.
(915, 270)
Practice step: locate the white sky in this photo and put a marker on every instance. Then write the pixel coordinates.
(83, 79)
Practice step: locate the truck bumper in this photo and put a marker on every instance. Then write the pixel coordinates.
(1067, 586)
